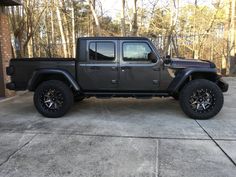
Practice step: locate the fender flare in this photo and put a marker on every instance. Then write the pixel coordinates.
(39, 73)
(184, 74)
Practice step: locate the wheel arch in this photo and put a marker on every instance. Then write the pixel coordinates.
(52, 74)
(186, 75)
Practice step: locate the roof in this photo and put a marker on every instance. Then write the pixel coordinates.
(10, 2)
(113, 38)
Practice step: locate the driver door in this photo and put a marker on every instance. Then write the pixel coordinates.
(137, 71)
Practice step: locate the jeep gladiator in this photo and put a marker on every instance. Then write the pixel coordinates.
(118, 67)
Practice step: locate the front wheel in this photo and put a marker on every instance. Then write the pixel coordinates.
(53, 99)
(201, 99)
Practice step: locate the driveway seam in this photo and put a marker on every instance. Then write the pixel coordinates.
(17, 150)
(102, 135)
(234, 163)
(158, 155)
(156, 159)
(113, 136)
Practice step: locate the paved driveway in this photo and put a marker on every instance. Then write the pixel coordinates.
(117, 138)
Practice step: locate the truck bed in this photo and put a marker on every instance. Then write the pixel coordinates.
(23, 68)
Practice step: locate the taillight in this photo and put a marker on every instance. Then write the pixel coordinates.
(10, 70)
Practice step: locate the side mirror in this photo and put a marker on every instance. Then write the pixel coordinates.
(167, 61)
(152, 57)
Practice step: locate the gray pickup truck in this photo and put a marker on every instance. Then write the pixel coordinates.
(118, 67)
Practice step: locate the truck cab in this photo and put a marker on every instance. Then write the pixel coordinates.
(118, 64)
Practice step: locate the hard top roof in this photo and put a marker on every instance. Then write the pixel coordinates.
(113, 38)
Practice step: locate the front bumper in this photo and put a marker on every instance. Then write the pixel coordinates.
(224, 86)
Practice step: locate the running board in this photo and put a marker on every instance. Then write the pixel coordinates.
(126, 94)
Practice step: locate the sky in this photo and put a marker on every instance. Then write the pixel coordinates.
(113, 7)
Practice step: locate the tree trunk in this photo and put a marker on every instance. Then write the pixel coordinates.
(63, 40)
(231, 37)
(30, 45)
(123, 31)
(52, 28)
(48, 49)
(73, 30)
(173, 22)
(93, 24)
(92, 7)
(195, 51)
(66, 29)
(134, 30)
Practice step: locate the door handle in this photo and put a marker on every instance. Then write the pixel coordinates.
(125, 67)
(114, 68)
(114, 81)
(95, 67)
(156, 69)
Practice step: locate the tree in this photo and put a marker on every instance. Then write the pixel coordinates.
(231, 36)
(73, 29)
(63, 39)
(25, 20)
(92, 7)
(123, 31)
(174, 14)
(134, 27)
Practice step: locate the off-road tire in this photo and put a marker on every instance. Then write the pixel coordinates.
(187, 92)
(62, 91)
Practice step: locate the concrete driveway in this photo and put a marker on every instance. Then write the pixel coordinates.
(117, 138)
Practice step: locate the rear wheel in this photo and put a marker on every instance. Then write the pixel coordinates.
(53, 99)
(201, 99)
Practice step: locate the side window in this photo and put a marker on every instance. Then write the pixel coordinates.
(102, 51)
(92, 51)
(136, 51)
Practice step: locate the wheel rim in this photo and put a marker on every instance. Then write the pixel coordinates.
(202, 100)
(52, 99)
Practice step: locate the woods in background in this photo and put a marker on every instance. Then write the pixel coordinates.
(49, 28)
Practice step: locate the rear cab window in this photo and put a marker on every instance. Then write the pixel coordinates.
(102, 51)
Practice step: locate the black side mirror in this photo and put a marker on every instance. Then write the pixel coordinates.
(152, 57)
(167, 61)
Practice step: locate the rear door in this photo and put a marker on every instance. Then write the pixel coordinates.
(100, 72)
(137, 72)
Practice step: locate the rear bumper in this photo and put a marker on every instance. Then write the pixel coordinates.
(224, 86)
(10, 72)
(11, 86)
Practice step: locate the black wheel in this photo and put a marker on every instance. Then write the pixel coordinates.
(53, 99)
(78, 98)
(201, 99)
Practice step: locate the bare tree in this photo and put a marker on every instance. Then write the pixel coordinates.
(174, 11)
(63, 39)
(123, 31)
(195, 52)
(73, 29)
(52, 12)
(231, 36)
(92, 7)
(134, 29)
